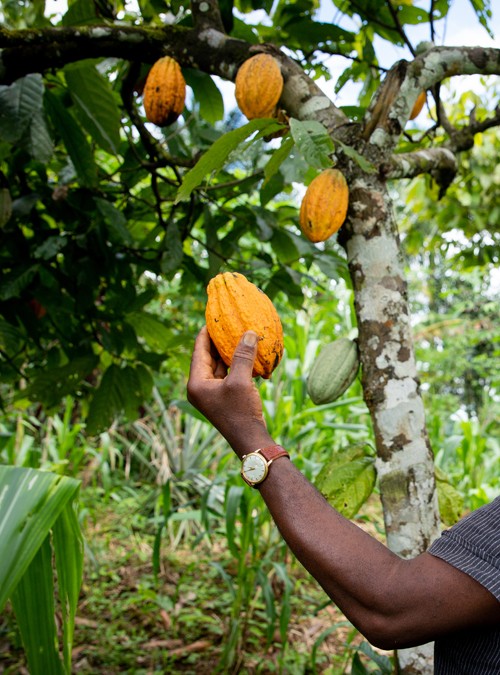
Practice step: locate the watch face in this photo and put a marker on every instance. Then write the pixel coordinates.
(254, 467)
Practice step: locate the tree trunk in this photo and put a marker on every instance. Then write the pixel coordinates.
(390, 382)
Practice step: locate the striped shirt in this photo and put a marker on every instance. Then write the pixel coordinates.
(472, 546)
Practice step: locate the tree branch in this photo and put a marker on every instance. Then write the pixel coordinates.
(208, 50)
(383, 127)
(440, 163)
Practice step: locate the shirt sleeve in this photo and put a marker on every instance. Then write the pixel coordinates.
(473, 546)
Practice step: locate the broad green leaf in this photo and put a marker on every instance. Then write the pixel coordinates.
(98, 110)
(34, 607)
(68, 549)
(51, 385)
(313, 142)
(451, 502)
(148, 327)
(206, 93)
(284, 246)
(30, 503)
(363, 163)
(80, 12)
(38, 141)
(131, 390)
(278, 157)
(121, 391)
(73, 138)
(11, 338)
(357, 666)
(347, 480)
(215, 157)
(270, 188)
(383, 662)
(173, 254)
(14, 283)
(115, 220)
(107, 402)
(19, 102)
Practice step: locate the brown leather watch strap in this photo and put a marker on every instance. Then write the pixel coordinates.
(272, 452)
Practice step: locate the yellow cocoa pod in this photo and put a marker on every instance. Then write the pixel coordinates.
(258, 86)
(164, 92)
(418, 105)
(236, 305)
(324, 206)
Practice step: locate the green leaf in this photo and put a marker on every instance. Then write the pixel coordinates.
(215, 157)
(278, 157)
(11, 338)
(14, 283)
(107, 402)
(19, 102)
(80, 12)
(38, 141)
(347, 480)
(233, 500)
(451, 502)
(68, 549)
(74, 139)
(115, 220)
(94, 99)
(148, 327)
(121, 391)
(313, 142)
(363, 163)
(34, 607)
(206, 93)
(483, 11)
(30, 503)
(51, 385)
(173, 254)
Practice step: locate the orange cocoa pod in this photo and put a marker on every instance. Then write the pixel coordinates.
(164, 92)
(236, 305)
(258, 86)
(418, 105)
(324, 206)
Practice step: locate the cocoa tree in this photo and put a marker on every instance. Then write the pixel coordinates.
(97, 205)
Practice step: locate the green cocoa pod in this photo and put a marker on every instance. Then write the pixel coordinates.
(5, 206)
(333, 371)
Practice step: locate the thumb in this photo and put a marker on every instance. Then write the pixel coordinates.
(244, 356)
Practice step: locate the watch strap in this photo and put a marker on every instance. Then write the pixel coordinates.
(272, 452)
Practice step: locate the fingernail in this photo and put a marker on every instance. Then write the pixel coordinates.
(250, 339)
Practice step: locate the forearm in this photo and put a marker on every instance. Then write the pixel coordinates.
(354, 569)
(394, 602)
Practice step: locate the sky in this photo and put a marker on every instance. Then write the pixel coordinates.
(461, 27)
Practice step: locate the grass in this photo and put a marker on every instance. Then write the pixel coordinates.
(130, 620)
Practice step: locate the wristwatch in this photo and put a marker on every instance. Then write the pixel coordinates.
(255, 465)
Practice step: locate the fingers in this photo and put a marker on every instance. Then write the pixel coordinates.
(202, 361)
(244, 357)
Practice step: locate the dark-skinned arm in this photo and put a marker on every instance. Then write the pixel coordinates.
(393, 602)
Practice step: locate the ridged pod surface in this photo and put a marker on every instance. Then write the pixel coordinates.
(418, 105)
(324, 206)
(258, 86)
(164, 92)
(333, 371)
(236, 305)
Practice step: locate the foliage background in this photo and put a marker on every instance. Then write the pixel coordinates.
(101, 294)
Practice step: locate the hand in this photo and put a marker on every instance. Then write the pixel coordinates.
(231, 402)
